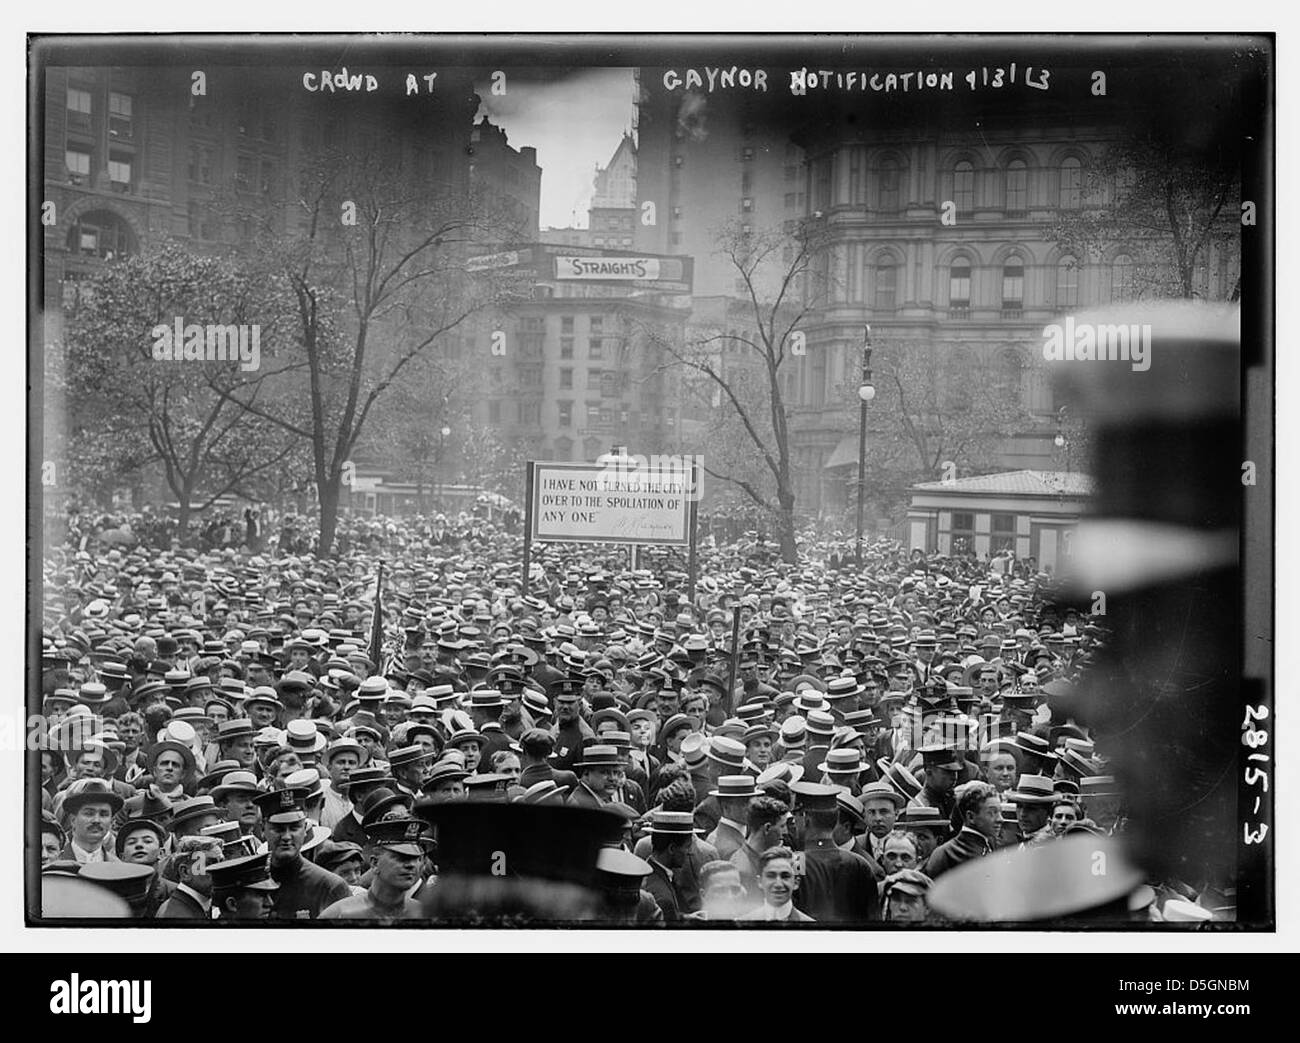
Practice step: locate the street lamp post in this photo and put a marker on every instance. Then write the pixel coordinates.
(866, 392)
(443, 433)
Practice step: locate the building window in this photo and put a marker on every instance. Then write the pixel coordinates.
(79, 110)
(963, 187)
(746, 204)
(593, 415)
(566, 379)
(1067, 283)
(1013, 287)
(566, 414)
(200, 169)
(78, 162)
(596, 342)
(886, 284)
(746, 182)
(101, 234)
(1003, 536)
(119, 116)
(1017, 186)
(963, 532)
(959, 285)
(747, 152)
(888, 184)
(791, 173)
(677, 212)
(530, 412)
(857, 180)
(1121, 278)
(821, 184)
(119, 171)
(1071, 191)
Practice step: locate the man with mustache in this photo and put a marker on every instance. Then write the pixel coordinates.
(90, 805)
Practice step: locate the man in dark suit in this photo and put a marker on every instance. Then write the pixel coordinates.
(671, 834)
(595, 775)
(536, 745)
(192, 898)
(980, 809)
(836, 886)
(360, 784)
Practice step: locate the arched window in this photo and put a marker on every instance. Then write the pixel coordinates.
(1013, 286)
(888, 187)
(886, 284)
(1121, 278)
(1067, 282)
(1017, 186)
(1071, 183)
(963, 187)
(959, 284)
(101, 234)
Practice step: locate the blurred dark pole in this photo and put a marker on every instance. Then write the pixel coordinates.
(866, 392)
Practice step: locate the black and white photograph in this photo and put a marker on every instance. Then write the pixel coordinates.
(753, 482)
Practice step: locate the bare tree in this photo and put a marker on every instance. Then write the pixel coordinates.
(375, 263)
(783, 277)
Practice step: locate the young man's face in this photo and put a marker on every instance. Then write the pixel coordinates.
(1063, 817)
(142, 847)
(906, 908)
(284, 840)
(988, 819)
(724, 895)
(453, 789)
(642, 732)
(1002, 771)
(341, 766)
(396, 869)
(760, 751)
(778, 882)
(880, 815)
(1031, 817)
(130, 733)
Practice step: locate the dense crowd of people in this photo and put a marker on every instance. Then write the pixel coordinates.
(231, 738)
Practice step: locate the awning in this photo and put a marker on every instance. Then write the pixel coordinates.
(844, 454)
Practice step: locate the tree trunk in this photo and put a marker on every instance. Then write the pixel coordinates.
(785, 526)
(329, 514)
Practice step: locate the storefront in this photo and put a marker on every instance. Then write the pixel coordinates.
(1031, 513)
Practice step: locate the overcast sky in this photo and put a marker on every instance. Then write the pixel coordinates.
(575, 121)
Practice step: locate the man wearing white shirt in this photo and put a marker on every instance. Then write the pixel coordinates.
(778, 882)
